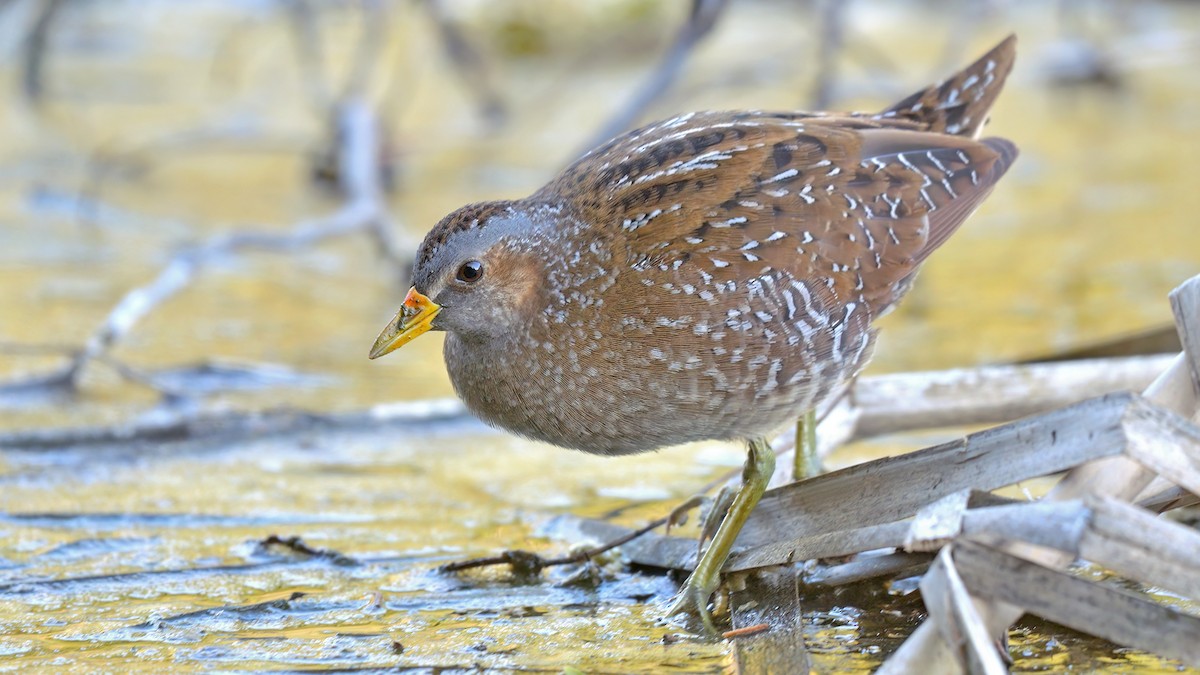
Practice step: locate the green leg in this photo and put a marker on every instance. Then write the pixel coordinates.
(693, 597)
(806, 462)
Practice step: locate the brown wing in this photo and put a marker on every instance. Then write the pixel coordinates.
(848, 204)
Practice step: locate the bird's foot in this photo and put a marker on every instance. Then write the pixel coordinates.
(692, 600)
(698, 589)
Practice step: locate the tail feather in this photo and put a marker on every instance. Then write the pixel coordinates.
(959, 105)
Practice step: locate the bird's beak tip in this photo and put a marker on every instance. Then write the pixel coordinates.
(413, 319)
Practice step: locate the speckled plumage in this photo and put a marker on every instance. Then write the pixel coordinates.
(711, 276)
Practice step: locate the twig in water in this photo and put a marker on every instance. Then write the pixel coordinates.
(525, 563)
(747, 631)
(297, 544)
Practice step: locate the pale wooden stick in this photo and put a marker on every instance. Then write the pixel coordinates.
(1119, 477)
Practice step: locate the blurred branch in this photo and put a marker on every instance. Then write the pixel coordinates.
(34, 52)
(830, 36)
(469, 64)
(701, 20)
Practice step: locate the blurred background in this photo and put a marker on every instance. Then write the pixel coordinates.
(208, 209)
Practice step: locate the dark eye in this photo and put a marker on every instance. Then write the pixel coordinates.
(470, 272)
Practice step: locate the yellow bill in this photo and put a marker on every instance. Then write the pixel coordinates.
(415, 317)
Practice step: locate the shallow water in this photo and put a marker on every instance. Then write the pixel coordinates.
(164, 124)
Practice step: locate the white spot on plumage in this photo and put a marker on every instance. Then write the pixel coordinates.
(892, 203)
(928, 200)
(782, 175)
(803, 194)
(934, 160)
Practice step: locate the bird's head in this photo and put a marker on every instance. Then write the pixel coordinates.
(477, 275)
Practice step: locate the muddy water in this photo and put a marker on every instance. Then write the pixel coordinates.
(163, 125)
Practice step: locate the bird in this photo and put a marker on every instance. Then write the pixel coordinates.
(711, 276)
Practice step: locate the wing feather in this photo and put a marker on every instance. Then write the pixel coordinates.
(853, 204)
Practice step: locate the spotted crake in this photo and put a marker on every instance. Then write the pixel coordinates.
(711, 276)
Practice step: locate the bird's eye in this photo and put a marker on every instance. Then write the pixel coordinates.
(470, 272)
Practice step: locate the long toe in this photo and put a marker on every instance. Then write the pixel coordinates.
(679, 515)
(692, 600)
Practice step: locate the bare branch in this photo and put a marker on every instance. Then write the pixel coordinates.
(33, 72)
(469, 63)
(830, 38)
